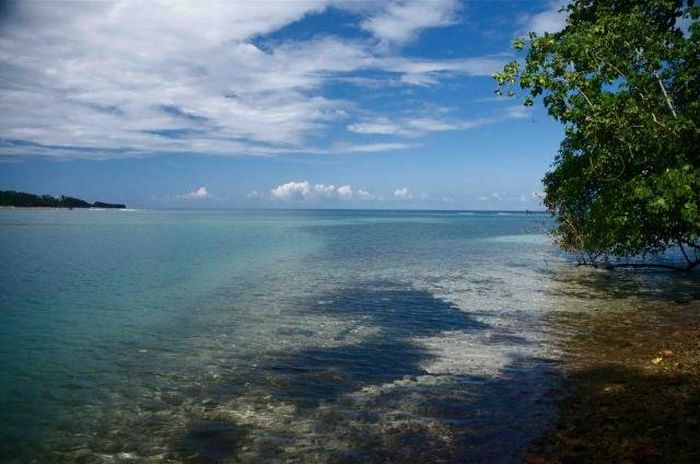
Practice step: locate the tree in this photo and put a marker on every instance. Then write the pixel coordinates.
(624, 79)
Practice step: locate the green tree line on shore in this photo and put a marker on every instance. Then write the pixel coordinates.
(29, 200)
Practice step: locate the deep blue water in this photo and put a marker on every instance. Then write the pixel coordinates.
(275, 336)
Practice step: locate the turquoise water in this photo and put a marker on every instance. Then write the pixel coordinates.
(275, 336)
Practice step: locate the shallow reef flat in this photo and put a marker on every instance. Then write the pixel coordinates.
(292, 336)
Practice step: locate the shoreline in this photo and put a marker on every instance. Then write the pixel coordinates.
(61, 208)
(631, 389)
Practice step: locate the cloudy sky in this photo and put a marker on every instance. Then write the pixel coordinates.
(311, 103)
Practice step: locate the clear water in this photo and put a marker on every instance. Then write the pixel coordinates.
(277, 336)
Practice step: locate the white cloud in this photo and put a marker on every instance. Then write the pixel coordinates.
(317, 193)
(345, 192)
(420, 125)
(254, 195)
(306, 191)
(199, 194)
(420, 80)
(381, 125)
(413, 127)
(400, 22)
(369, 147)
(429, 72)
(292, 191)
(551, 20)
(402, 194)
(144, 77)
(118, 79)
(364, 195)
(513, 198)
(518, 112)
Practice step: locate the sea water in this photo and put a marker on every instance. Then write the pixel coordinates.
(277, 336)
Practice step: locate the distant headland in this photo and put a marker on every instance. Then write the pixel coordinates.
(29, 200)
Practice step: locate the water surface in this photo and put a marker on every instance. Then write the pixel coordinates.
(279, 336)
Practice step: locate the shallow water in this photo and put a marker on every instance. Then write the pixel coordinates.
(285, 336)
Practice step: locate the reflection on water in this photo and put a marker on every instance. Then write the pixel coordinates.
(288, 336)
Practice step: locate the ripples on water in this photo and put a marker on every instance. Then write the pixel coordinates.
(155, 336)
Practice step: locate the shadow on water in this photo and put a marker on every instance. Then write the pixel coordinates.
(396, 317)
(368, 397)
(210, 441)
(650, 285)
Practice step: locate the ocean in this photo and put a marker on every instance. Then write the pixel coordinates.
(286, 335)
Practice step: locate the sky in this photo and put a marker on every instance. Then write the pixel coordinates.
(272, 104)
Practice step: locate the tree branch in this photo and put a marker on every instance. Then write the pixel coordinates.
(685, 255)
(692, 245)
(586, 97)
(668, 99)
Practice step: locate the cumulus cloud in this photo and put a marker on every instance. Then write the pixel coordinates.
(292, 191)
(345, 192)
(402, 194)
(364, 195)
(117, 79)
(306, 191)
(199, 194)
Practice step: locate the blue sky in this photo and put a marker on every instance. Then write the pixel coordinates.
(271, 104)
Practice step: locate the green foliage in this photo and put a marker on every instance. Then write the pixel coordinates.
(624, 79)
